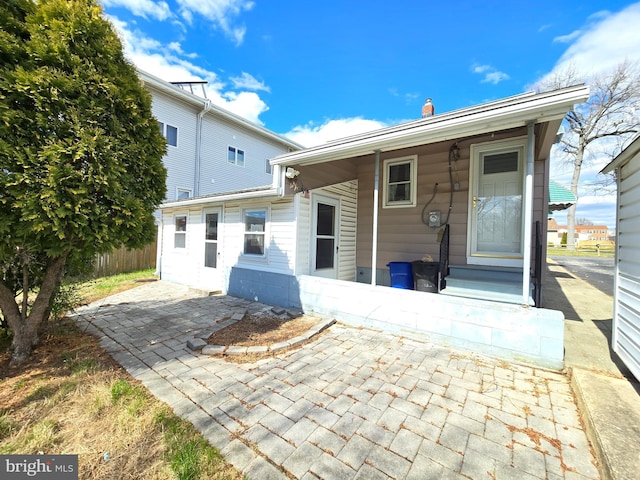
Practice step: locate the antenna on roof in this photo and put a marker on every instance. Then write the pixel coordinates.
(189, 86)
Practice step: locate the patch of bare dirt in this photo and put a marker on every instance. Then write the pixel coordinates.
(262, 330)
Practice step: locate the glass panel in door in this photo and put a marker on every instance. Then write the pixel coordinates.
(211, 240)
(325, 236)
(498, 205)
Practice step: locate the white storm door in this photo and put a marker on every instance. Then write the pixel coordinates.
(324, 238)
(210, 262)
(496, 206)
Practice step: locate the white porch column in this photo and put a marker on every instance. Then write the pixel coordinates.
(374, 243)
(528, 214)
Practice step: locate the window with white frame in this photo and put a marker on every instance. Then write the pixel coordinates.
(235, 156)
(183, 193)
(255, 222)
(399, 186)
(268, 169)
(170, 133)
(180, 234)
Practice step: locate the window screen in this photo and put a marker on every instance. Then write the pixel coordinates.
(500, 163)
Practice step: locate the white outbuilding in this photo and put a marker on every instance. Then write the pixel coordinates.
(626, 305)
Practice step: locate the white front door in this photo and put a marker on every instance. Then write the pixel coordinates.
(496, 204)
(210, 267)
(324, 238)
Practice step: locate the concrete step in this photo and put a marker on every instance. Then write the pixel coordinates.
(478, 272)
(484, 289)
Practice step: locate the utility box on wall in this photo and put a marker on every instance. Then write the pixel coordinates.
(434, 219)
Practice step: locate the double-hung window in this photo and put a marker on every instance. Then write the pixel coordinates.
(235, 156)
(399, 187)
(255, 222)
(170, 133)
(180, 235)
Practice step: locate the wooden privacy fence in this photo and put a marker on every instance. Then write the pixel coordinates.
(124, 260)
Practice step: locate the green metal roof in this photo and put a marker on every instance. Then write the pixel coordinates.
(560, 198)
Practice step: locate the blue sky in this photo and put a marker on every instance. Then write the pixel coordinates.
(315, 71)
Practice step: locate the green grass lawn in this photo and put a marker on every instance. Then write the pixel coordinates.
(72, 398)
(552, 251)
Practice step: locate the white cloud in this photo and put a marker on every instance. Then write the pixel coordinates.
(491, 74)
(220, 12)
(567, 38)
(176, 47)
(310, 135)
(249, 82)
(246, 104)
(157, 59)
(142, 8)
(606, 41)
(495, 77)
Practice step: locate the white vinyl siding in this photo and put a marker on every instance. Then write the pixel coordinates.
(178, 122)
(303, 240)
(279, 242)
(180, 160)
(217, 174)
(626, 322)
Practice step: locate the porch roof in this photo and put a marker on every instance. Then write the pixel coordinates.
(510, 112)
(560, 198)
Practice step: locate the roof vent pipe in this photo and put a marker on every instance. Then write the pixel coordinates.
(428, 109)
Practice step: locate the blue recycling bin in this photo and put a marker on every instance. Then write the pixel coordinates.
(401, 275)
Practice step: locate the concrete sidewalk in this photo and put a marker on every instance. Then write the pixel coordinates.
(352, 404)
(607, 393)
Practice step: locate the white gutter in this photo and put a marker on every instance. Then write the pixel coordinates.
(220, 198)
(504, 114)
(528, 214)
(374, 243)
(278, 179)
(196, 180)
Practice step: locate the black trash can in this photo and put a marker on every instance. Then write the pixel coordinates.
(425, 276)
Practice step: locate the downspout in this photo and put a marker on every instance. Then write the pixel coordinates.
(196, 179)
(528, 214)
(374, 243)
(277, 181)
(159, 239)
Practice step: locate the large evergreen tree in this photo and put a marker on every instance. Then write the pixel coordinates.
(80, 153)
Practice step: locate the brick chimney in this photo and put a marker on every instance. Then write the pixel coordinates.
(427, 109)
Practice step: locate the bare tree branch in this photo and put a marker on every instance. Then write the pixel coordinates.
(609, 118)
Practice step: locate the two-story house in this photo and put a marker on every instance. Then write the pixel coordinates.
(209, 149)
